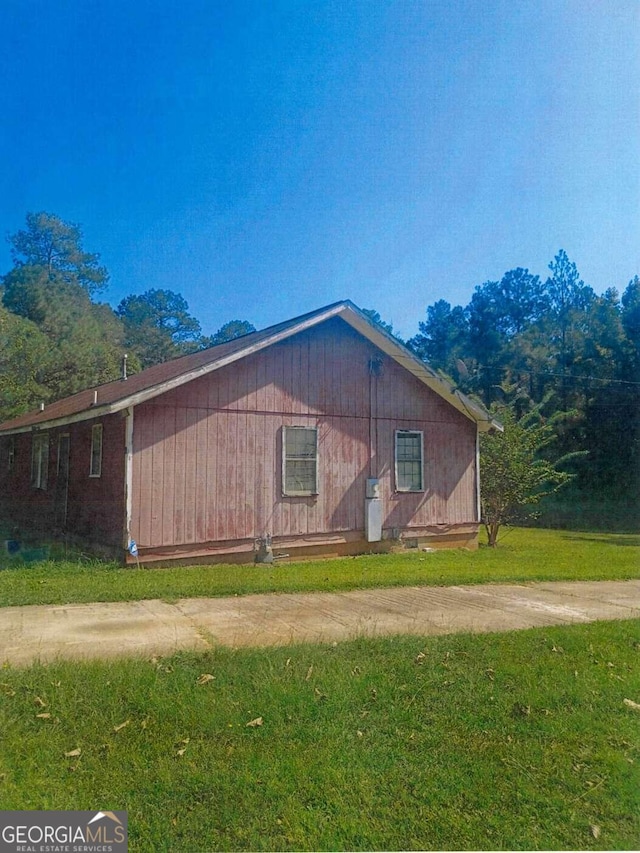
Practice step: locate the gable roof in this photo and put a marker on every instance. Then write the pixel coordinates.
(123, 393)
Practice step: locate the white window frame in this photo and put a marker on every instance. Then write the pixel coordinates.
(405, 432)
(95, 470)
(290, 458)
(40, 460)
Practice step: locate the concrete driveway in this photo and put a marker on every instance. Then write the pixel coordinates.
(46, 633)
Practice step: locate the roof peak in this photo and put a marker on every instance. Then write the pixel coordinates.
(122, 393)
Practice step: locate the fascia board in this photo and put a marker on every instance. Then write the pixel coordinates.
(54, 423)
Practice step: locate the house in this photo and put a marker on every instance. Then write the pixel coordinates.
(320, 435)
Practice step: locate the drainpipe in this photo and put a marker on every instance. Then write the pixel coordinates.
(372, 502)
(478, 502)
(128, 478)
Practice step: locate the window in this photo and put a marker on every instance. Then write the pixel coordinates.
(409, 461)
(40, 460)
(11, 453)
(96, 451)
(299, 460)
(63, 455)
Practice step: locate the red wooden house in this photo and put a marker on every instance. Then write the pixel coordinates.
(320, 435)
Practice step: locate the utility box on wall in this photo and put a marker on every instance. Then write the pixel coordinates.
(373, 511)
(373, 488)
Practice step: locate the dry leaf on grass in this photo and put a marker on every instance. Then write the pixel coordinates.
(309, 673)
(595, 830)
(121, 726)
(631, 704)
(73, 754)
(205, 678)
(182, 744)
(420, 657)
(253, 723)
(45, 716)
(40, 703)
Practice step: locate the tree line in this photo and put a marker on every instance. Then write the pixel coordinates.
(553, 345)
(557, 362)
(57, 338)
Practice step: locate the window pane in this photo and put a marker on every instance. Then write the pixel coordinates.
(35, 461)
(300, 475)
(409, 477)
(301, 443)
(300, 448)
(44, 460)
(408, 447)
(40, 461)
(96, 451)
(409, 461)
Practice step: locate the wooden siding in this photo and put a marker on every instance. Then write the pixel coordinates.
(207, 456)
(95, 505)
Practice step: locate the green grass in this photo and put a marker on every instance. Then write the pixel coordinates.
(510, 741)
(522, 555)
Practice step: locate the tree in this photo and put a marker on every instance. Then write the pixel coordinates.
(50, 289)
(519, 301)
(158, 326)
(85, 340)
(570, 301)
(25, 356)
(229, 332)
(55, 245)
(612, 417)
(440, 341)
(514, 475)
(375, 317)
(631, 325)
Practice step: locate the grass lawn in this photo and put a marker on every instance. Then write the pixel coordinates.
(522, 555)
(506, 741)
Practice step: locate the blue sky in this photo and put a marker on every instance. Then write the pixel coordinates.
(264, 159)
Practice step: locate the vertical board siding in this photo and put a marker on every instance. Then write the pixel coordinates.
(158, 473)
(190, 475)
(169, 477)
(95, 506)
(202, 490)
(180, 474)
(207, 455)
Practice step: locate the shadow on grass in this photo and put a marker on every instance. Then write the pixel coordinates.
(604, 539)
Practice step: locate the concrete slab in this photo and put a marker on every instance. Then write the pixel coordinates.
(102, 630)
(148, 628)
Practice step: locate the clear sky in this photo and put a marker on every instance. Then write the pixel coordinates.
(267, 158)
